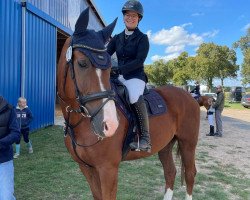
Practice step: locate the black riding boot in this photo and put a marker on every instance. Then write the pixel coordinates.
(142, 118)
(211, 133)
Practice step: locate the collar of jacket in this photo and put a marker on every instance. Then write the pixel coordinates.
(17, 107)
(131, 37)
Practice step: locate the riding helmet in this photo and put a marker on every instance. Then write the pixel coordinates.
(133, 5)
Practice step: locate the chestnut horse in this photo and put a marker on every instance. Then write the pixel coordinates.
(95, 130)
(203, 101)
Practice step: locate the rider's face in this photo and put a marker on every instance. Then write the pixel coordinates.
(131, 19)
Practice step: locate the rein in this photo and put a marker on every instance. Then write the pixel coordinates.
(82, 100)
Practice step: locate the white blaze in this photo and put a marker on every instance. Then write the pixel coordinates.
(109, 110)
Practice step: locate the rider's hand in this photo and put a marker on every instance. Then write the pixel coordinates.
(115, 70)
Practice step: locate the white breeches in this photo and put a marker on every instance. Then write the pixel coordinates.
(135, 88)
(194, 95)
(210, 120)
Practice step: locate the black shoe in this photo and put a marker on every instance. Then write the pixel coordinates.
(211, 132)
(218, 135)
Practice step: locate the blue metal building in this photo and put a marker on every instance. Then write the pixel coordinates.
(32, 34)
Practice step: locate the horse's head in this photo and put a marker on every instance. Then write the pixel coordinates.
(83, 77)
(203, 101)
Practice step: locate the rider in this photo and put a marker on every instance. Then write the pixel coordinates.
(131, 47)
(196, 91)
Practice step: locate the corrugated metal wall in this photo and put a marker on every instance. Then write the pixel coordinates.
(10, 50)
(67, 11)
(40, 70)
(38, 74)
(58, 9)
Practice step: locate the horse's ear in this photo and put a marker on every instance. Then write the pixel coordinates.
(107, 31)
(82, 22)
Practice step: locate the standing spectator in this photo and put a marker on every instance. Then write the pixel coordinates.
(131, 47)
(210, 116)
(24, 117)
(9, 133)
(219, 106)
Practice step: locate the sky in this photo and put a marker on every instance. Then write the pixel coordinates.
(174, 26)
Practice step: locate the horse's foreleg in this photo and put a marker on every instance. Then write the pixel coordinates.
(108, 179)
(188, 159)
(92, 177)
(166, 158)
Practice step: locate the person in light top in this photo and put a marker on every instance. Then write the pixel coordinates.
(210, 116)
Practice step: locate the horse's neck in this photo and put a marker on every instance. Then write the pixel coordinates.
(200, 101)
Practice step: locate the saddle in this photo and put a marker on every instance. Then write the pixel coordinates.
(196, 96)
(155, 105)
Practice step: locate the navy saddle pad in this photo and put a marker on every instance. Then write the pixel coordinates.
(155, 103)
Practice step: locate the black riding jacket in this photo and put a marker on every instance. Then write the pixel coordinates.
(131, 53)
(11, 131)
(196, 90)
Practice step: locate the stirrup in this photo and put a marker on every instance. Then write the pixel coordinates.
(137, 148)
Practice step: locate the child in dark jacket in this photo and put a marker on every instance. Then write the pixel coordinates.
(24, 117)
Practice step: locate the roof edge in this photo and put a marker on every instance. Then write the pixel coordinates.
(96, 11)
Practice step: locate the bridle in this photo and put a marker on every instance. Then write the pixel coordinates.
(81, 100)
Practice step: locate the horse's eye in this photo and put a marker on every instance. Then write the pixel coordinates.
(82, 63)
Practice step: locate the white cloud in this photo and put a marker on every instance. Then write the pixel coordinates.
(197, 14)
(241, 17)
(246, 27)
(196, 49)
(176, 39)
(175, 48)
(186, 24)
(149, 33)
(176, 35)
(166, 58)
(210, 34)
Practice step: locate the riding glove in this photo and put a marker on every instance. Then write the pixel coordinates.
(115, 70)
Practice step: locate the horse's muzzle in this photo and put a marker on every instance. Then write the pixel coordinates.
(105, 123)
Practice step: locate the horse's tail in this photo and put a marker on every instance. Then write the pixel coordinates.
(178, 154)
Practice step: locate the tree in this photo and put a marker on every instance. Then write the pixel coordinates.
(205, 63)
(159, 73)
(192, 69)
(245, 71)
(215, 61)
(227, 63)
(244, 45)
(180, 68)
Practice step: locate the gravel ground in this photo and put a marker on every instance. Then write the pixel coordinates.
(234, 147)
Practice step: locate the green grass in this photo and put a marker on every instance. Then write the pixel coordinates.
(237, 106)
(50, 174)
